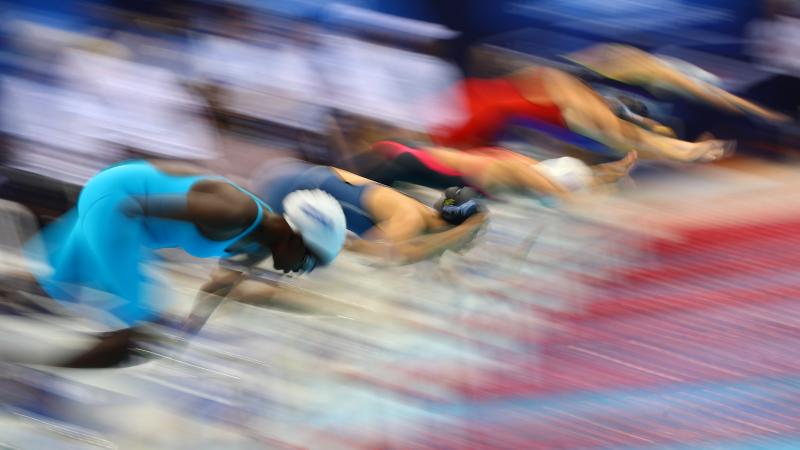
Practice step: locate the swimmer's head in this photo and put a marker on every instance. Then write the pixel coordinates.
(635, 106)
(318, 231)
(459, 204)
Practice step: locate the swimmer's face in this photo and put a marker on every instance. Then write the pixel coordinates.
(290, 254)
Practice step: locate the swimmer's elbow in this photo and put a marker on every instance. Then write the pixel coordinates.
(414, 252)
(253, 293)
(394, 253)
(221, 280)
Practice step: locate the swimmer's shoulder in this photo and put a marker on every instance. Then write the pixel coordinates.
(214, 184)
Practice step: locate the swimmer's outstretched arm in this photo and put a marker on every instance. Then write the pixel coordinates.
(115, 347)
(421, 247)
(255, 291)
(211, 294)
(112, 350)
(634, 66)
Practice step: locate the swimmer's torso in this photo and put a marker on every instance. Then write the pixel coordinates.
(145, 179)
(279, 178)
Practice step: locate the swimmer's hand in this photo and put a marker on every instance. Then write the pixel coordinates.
(663, 130)
(457, 214)
(424, 246)
(459, 204)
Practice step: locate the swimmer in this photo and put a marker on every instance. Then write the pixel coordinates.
(386, 223)
(491, 170)
(545, 94)
(96, 252)
(633, 66)
(560, 99)
(500, 170)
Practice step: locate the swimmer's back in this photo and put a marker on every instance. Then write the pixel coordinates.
(278, 178)
(490, 104)
(141, 178)
(137, 177)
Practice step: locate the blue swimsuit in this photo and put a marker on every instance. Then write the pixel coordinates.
(282, 177)
(97, 247)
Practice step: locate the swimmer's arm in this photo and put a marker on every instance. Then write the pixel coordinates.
(282, 297)
(725, 100)
(211, 294)
(203, 208)
(664, 75)
(634, 66)
(429, 245)
(112, 349)
(420, 247)
(266, 293)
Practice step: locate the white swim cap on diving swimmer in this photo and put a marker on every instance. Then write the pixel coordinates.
(571, 173)
(319, 219)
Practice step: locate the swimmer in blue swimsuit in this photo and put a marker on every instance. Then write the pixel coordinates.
(98, 250)
(385, 222)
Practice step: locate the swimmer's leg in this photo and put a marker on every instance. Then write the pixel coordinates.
(500, 153)
(117, 253)
(113, 349)
(412, 170)
(513, 175)
(36, 332)
(405, 164)
(717, 97)
(517, 175)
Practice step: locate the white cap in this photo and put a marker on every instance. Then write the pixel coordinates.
(571, 173)
(319, 219)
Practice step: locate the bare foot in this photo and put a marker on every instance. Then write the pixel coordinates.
(614, 171)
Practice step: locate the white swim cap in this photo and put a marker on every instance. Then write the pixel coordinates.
(319, 219)
(571, 173)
